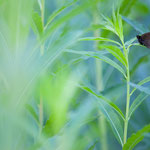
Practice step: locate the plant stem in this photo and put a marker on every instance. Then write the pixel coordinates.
(42, 17)
(42, 12)
(128, 98)
(42, 53)
(41, 111)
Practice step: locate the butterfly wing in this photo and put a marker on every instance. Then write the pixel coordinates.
(146, 39)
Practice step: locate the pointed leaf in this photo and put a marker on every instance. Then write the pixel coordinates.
(106, 107)
(141, 83)
(33, 113)
(37, 23)
(116, 52)
(136, 138)
(100, 55)
(115, 107)
(141, 88)
(100, 39)
(56, 24)
(137, 102)
(57, 12)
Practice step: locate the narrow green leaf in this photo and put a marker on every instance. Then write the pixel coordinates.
(99, 55)
(87, 53)
(126, 6)
(57, 12)
(118, 25)
(100, 39)
(136, 25)
(33, 113)
(106, 107)
(110, 62)
(136, 138)
(36, 24)
(110, 28)
(92, 146)
(141, 83)
(116, 52)
(129, 42)
(113, 120)
(56, 24)
(141, 88)
(115, 107)
(137, 102)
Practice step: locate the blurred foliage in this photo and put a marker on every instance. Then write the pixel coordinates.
(48, 76)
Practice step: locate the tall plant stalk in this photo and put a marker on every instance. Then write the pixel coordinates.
(42, 18)
(99, 85)
(128, 95)
(42, 53)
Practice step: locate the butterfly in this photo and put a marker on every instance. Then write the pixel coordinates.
(144, 39)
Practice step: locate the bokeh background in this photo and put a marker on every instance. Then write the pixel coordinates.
(42, 106)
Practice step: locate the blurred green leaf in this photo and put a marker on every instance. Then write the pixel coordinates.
(106, 107)
(99, 55)
(137, 102)
(92, 146)
(115, 107)
(57, 93)
(32, 112)
(56, 24)
(36, 24)
(141, 88)
(113, 120)
(136, 25)
(57, 12)
(136, 138)
(142, 7)
(100, 39)
(147, 79)
(86, 53)
(126, 6)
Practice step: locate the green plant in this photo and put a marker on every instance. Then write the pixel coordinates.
(120, 50)
(53, 95)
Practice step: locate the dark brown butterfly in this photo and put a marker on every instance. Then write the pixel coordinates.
(144, 39)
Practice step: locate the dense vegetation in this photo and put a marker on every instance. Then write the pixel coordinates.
(73, 75)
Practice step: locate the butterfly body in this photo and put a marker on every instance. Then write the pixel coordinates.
(144, 39)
